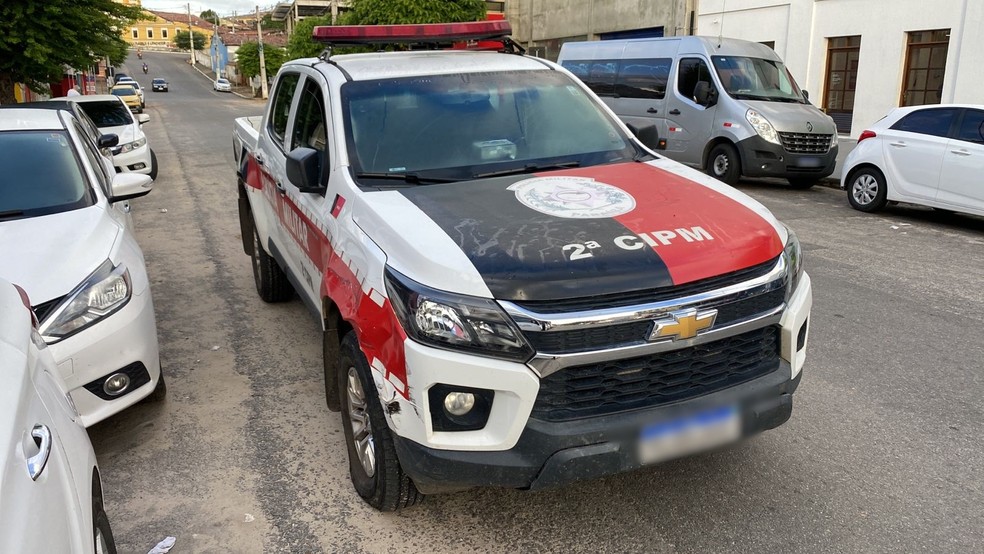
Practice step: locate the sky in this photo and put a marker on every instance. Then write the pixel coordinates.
(221, 7)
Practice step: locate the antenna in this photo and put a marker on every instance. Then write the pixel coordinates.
(721, 26)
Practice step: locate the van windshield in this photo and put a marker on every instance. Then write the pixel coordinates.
(472, 125)
(757, 79)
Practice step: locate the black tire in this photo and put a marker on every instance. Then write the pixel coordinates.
(943, 211)
(803, 183)
(866, 190)
(329, 356)
(724, 164)
(160, 391)
(101, 531)
(387, 488)
(153, 164)
(271, 281)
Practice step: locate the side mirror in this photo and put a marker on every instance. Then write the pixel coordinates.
(806, 95)
(704, 94)
(108, 140)
(647, 135)
(304, 169)
(130, 185)
(143, 118)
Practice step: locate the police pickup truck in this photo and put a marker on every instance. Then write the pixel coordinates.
(513, 290)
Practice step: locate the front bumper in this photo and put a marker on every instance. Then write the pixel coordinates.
(134, 161)
(761, 158)
(125, 339)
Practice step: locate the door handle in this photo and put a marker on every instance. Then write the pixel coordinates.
(960, 152)
(258, 158)
(37, 462)
(652, 110)
(674, 111)
(281, 188)
(899, 144)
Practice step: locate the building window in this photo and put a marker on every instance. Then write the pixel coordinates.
(925, 64)
(150, 32)
(135, 33)
(164, 32)
(843, 54)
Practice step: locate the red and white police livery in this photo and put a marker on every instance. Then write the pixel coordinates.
(514, 291)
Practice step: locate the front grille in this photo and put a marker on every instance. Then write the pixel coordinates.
(44, 309)
(626, 334)
(805, 143)
(646, 296)
(634, 383)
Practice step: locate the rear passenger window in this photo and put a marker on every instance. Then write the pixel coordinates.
(643, 78)
(281, 106)
(935, 122)
(691, 72)
(598, 75)
(972, 127)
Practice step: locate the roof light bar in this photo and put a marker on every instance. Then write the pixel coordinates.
(434, 33)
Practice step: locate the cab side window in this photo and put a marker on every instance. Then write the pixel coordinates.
(644, 78)
(972, 127)
(935, 122)
(310, 128)
(280, 107)
(690, 72)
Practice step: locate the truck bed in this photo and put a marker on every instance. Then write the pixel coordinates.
(244, 136)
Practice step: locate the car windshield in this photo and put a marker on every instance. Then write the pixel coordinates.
(123, 91)
(41, 175)
(466, 126)
(158, 81)
(107, 113)
(757, 79)
(223, 82)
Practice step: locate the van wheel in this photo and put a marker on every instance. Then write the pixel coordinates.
(723, 164)
(866, 190)
(373, 465)
(803, 183)
(271, 281)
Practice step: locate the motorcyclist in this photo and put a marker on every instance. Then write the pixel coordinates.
(145, 68)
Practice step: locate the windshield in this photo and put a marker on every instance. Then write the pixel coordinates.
(463, 126)
(223, 82)
(41, 175)
(158, 81)
(107, 114)
(757, 79)
(123, 91)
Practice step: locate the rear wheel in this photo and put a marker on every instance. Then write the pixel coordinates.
(866, 190)
(271, 281)
(723, 164)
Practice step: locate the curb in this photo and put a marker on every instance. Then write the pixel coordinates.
(209, 77)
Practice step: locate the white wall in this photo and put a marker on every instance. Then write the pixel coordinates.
(800, 29)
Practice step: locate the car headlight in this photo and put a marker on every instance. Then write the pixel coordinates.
(762, 126)
(130, 146)
(453, 321)
(794, 259)
(102, 293)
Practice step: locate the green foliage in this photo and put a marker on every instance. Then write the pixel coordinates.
(37, 39)
(270, 24)
(181, 40)
(248, 58)
(391, 12)
(300, 44)
(210, 16)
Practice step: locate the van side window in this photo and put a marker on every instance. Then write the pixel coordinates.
(598, 75)
(691, 72)
(280, 106)
(644, 78)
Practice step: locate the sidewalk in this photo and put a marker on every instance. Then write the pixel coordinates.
(242, 92)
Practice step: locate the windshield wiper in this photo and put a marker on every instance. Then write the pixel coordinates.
(410, 178)
(528, 168)
(11, 214)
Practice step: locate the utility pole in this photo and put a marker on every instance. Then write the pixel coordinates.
(259, 38)
(215, 36)
(191, 36)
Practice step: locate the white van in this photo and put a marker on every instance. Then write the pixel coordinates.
(725, 105)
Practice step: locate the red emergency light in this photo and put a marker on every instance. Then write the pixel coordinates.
(433, 33)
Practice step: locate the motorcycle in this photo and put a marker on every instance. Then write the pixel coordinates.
(145, 69)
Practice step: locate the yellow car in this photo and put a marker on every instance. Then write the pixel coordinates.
(129, 96)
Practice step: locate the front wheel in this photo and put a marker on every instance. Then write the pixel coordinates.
(102, 533)
(153, 165)
(723, 164)
(373, 465)
(866, 190)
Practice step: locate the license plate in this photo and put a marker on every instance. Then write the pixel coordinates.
(810, 162)
(694, 433)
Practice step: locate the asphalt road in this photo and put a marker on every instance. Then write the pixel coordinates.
(883, 452)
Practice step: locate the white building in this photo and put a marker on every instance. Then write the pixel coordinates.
(861, 58)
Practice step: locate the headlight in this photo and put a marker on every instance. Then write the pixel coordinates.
(448, 320)
(762, 126)
(794, 259)
(105, 291)
(833, 139)
(130, 146)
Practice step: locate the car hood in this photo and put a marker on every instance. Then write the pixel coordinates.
(573, 233)
(126, 133)
(49, 255)
(787, 117)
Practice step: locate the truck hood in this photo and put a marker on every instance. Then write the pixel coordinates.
(573, 233)
(794, 118)
(49, 255)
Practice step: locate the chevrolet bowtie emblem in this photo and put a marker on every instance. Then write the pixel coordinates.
(683, 324)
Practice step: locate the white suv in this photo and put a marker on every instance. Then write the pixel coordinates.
(111, 115)
(66, 237)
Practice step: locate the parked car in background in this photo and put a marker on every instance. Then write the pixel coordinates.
(52, 494)
(129, 96)
(66, 237)
(222, 85)
(136, 86)
(159, 84)
(928, 155)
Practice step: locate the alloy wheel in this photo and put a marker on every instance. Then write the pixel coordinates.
(358, 411)
(864, 189)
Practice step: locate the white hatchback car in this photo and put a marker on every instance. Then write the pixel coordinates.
(222, 85)
(66, 237)
(52, 496)
(111, 115)
(929, 155)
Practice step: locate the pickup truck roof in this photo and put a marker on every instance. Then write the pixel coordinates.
(388, 65)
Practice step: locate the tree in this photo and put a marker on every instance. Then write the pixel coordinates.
(300, 44)
(391, 12)
(38, 39)
(210, 16)
(248, 58)
(269, 23)
(181, 40)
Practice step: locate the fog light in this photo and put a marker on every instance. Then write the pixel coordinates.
(116, 384)
(136, 166)
(459, 403)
